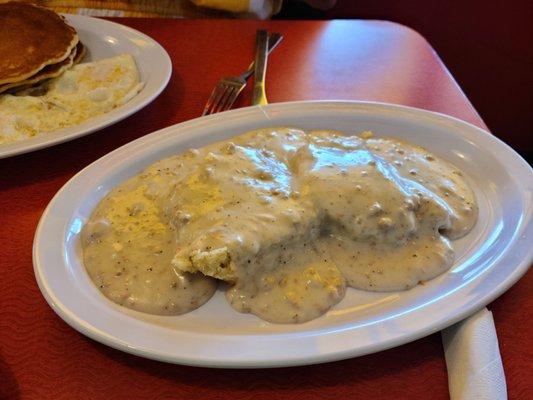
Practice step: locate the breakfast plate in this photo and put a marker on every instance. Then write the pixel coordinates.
(493, 256)
(104, 39)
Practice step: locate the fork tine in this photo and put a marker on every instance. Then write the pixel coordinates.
(231, 99)
(214, 99)
(223, 105)
(210, 101)
(223, 90)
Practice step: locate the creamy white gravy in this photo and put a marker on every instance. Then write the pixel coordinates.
(127, 249)
(289, 218)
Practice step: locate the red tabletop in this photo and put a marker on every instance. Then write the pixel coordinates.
(43, 358)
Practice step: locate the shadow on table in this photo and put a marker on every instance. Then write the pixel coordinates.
(372, 368)
(9, 387)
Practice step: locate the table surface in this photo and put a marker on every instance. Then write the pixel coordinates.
(43, 358)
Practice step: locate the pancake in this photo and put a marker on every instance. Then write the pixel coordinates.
(79, 94)
(50, 71)
(37, 37)
(81, 50)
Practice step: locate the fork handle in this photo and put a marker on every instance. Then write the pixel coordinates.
(261, 57)
(273, 40)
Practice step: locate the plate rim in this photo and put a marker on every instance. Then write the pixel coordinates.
(395, 340)
(26, 146)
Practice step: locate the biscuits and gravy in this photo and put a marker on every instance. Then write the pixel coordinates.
(287, 218)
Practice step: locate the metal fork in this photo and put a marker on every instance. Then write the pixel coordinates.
(228, 89)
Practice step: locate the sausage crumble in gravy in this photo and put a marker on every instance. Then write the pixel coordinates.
(288, 218)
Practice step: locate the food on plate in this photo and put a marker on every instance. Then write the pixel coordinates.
(50, 71)
(81, 50)
(84, 91)
(43, 87)
(37, 38)
(128, 252)
(287, 218)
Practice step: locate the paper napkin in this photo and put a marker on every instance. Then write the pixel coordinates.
(475, 369)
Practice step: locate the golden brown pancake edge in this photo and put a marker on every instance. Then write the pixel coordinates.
(37, 37)
(48, 72)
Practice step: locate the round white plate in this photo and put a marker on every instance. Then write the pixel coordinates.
(489, 259)
(104, 39)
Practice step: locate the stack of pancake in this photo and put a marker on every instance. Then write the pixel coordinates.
(36, 44)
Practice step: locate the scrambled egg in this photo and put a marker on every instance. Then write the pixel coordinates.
(83, 92)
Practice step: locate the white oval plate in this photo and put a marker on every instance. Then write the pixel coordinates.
(489, 259)
(104, 39)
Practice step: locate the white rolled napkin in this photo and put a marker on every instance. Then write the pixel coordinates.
(473, 360)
